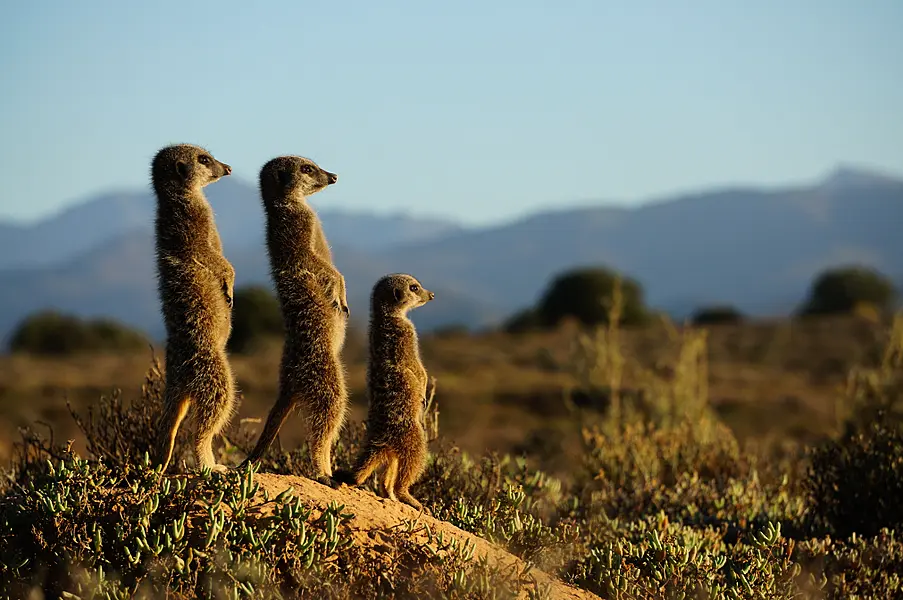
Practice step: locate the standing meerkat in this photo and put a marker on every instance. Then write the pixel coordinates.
(314, 310)
(397, 387)
(196, 284)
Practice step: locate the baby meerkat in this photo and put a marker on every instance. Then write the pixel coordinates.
(314, 309)
(196, 285)
(397, 387)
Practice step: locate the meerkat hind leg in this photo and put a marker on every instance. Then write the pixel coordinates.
(208, 424)
(174, 411)
(410, 467)
(324, 422)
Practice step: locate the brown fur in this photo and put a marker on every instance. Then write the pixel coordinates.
(314, 308)
(397, 387)
(196, 283)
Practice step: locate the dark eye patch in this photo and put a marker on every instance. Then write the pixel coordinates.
(307, 169)
(414, 287)
(204, 159)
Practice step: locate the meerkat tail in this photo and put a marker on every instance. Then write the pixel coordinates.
(390, 476)
(275, 420)
(371, 459)
(176, 405)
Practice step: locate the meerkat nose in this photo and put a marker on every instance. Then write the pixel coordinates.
(432, 295)
(227, 169)
(332, 177)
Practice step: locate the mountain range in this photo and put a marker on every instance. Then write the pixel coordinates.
(755, 248)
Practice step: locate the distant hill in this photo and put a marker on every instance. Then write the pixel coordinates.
(755, 248)
(239, 217)
(117, 279)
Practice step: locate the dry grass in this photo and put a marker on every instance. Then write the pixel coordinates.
(655, 495)
(768, 380)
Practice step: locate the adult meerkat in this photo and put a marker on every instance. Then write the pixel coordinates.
(314, 310)
(196, 284)
(397, 387)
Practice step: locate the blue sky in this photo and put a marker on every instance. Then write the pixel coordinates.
(477, 110)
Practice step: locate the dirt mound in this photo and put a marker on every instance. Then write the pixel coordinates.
(376, 518)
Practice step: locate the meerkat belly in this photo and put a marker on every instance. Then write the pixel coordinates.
(395, 391)
(193, 305)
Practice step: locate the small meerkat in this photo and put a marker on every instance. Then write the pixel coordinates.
(397, 387)
(196, 284)
(312, 296)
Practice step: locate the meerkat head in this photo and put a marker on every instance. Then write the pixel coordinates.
(399, 293)
(187, 166)
(287, 176)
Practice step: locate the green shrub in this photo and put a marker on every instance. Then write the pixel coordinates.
(57, 334)
(670, 506)
(716, 315)
(843, 289)
(451, 330)
(855, 484)
(522, 321)
(86, 530)
(875, 394)
(257, 316)
(586, 295)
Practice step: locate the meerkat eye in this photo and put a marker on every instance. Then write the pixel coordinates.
(203, 159)
(414, 288)
(307, 169)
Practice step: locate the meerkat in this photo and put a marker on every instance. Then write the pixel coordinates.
(314, 307)
(196, 285)
(397, 388)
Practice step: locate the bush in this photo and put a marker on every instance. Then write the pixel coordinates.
(57, 334)
(670, 507)
(587, 294)
(844, 289)
(716, 315)
(451, 330)
(257, 316)
(855, 484)
(875, 394)
(83, 530)
(522, 321)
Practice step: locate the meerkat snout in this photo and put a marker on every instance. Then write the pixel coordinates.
(331, 177)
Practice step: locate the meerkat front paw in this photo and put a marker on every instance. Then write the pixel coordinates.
(342, 308)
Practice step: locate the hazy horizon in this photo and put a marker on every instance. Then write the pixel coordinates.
(477, 113)
(323, 204)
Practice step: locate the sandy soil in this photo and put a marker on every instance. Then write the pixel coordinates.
(375, 517)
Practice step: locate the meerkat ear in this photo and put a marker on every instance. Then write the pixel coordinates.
(398, 294)
(284, 177)
(182, 170)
